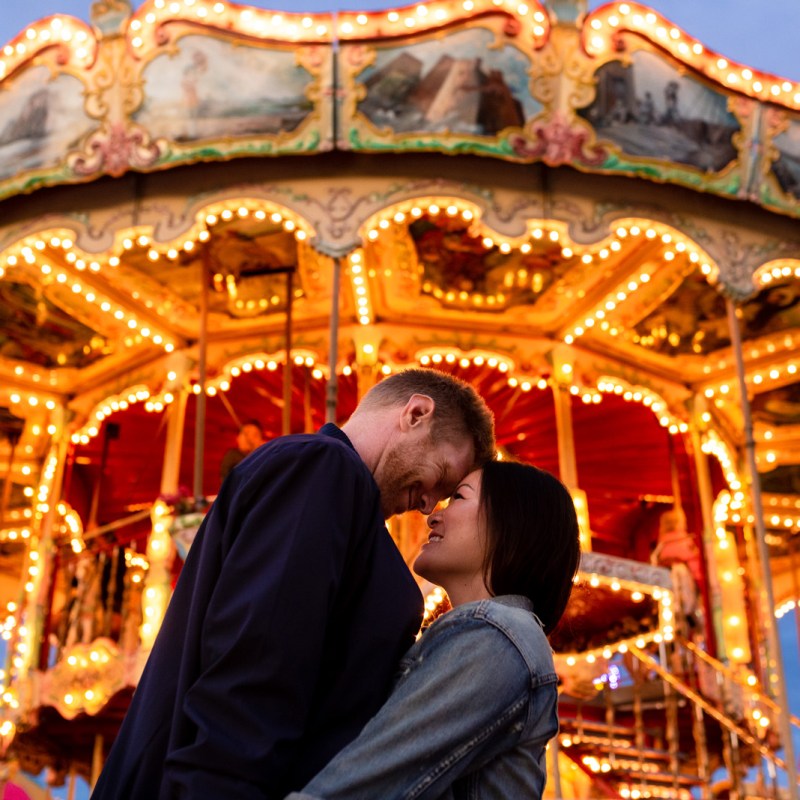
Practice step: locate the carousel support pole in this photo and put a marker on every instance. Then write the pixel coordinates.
(176, 418)
(712, 598)
(47, 548)
(730, 742)
(72, 784)
(367, 342)
(308, 419)
(671, 710)
(200, 417)
(332, 389)
(701, 750)
(97, 759)
(554, 749)
(611, 720)
(795, 586)
(13, 440)
(638, 680)
(287, 367)
(756, 608)
(567, 463)
(110, 431)
(776, 684)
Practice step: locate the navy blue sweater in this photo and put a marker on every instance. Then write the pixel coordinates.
(282, 636)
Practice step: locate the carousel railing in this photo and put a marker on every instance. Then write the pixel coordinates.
(748, 686)
(737, 734)
(99, 591)
(98, 623)
(684, 728)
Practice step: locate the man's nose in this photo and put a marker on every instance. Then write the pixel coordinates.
(427, 502)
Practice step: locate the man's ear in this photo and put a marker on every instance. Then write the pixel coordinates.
(418, 411)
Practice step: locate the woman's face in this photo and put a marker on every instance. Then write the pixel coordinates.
(453, 556)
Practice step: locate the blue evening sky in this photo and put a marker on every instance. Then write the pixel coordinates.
(762, 34)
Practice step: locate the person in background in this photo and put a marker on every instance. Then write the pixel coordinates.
(294, 605)
(250, 436)
(475, 703)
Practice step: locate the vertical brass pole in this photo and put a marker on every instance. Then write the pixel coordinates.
(795, 587)
(176, 418)
(200, 409)
(554, 748)
(38, 608)
(776, 685)
(13, 440)
(567, 464)
(287, 367)
(332, 389)
(610, 721)
(713, 603)
(308, 426)
(638, 717)
(730, 742)
(671, 711)
(97, 759)
(701, 749)
(72, 784)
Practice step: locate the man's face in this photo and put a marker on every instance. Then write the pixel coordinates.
(416, 473)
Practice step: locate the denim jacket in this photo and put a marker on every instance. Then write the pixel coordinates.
(472, 709)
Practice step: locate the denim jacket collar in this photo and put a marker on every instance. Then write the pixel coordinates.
(511, 600)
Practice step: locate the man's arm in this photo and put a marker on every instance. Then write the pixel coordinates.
(283, 546)
(457, 707)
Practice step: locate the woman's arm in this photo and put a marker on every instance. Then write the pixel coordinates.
(462, 700)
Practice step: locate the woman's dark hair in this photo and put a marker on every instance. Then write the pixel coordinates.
(532, 536)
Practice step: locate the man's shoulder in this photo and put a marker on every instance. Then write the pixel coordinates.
(313, 445)
(316, 454)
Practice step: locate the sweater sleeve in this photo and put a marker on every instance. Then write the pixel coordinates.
(285, 535)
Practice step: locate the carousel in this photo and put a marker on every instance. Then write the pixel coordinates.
(212, 214)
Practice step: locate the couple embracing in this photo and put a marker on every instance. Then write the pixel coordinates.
(286, 665)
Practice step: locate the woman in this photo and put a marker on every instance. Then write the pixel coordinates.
(475, 701)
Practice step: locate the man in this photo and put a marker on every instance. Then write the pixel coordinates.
(294, 606)
(250, 436)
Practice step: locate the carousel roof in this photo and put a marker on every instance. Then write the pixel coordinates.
(198, 150)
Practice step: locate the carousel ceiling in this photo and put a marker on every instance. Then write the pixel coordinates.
(146, 232)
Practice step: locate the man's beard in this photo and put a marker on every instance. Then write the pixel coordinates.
(400, 472)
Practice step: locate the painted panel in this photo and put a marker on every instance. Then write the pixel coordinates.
(214, 89)
(649, 109)
(459, 90)
(43, 119)
(786, 167)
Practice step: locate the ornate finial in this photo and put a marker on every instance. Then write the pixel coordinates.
(110, 16)
(567, 10)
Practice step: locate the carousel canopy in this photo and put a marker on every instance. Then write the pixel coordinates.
(542, 205)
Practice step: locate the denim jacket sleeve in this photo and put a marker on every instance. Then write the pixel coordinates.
(464, 696)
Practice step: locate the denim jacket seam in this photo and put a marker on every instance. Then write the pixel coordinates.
(445, 764)
(483, 612)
